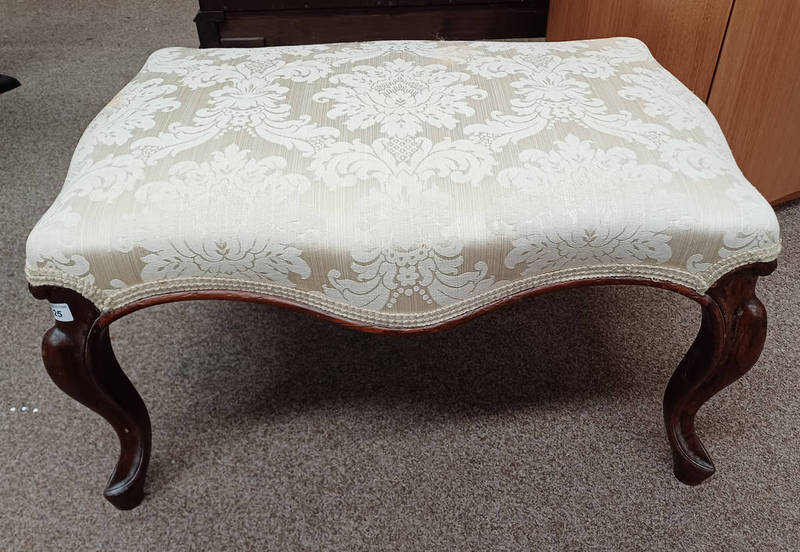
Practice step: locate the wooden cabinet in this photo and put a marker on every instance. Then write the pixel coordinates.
(279, 22)
(741, 56)
(756, 94)
(684, 35)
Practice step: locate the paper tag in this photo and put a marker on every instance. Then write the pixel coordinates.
(61, 312)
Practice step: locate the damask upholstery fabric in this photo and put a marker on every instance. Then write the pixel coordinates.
(399, 184)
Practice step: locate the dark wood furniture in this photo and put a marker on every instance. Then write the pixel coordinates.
(79, 359)
(739, 56)
(246, 23)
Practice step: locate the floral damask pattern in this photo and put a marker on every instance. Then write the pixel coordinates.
(664, 98)
(590, 234)
(249, 97)
(401, 97)
(105, 179)
(252, 234)
(59, 256)
(406, 242)
(399, 182)
(385, 276)
(397, 163)
(135, 107)
(549, 91)
(199, 256)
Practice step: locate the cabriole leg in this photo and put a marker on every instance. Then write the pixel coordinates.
(78, 357)
(729, 343)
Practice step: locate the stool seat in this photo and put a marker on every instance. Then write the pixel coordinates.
(400, 184)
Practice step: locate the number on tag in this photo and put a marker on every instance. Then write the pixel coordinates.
(61, 312)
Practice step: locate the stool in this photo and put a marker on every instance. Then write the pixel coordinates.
(399, 187)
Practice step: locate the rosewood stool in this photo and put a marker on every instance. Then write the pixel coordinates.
(399, 187)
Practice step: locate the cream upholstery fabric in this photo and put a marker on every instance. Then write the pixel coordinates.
(399, 183)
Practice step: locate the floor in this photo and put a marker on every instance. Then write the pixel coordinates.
(534, 428)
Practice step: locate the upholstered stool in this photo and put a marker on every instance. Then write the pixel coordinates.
(399, 187)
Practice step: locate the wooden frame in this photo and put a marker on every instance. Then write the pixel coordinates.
(79, 359)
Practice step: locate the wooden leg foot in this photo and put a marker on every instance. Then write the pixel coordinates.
(79, 359)
(729, 343)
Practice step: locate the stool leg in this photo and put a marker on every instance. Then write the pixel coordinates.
(729, 343)
(78, 357)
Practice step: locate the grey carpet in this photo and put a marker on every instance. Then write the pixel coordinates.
(535, 427)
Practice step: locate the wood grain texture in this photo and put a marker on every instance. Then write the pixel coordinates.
(79, 359)
(730, 340)
(756, 94)
(685, 36)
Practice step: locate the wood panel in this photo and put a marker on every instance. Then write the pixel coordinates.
(285, 27)
(685, 36)
(756, 94)
(246, 23)
(271, 5)
(465, 22)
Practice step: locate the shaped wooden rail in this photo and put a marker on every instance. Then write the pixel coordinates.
(79, 359)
